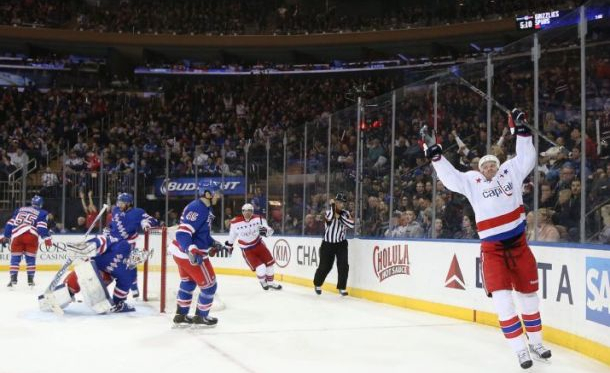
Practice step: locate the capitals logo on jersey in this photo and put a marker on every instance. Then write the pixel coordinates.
(499, 190)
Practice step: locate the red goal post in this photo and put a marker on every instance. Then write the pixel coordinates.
(154, 275)
(156, 286)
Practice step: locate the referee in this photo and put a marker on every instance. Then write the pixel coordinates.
(334, 244)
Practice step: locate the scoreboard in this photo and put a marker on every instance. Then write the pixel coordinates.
(561, 18)
(538, 21)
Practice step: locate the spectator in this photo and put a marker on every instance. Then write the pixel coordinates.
(604, 235)
(313, 225)
(564, 214)
(547, 196)
(50, 183)
(409, 228)
(89, 209)
(81, 225)
(468, 231)
(547, 232)
(439, 229)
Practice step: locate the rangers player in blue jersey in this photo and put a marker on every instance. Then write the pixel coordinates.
(26, 227)
(191, 250)
(113, 251)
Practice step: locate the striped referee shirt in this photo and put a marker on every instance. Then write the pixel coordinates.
(336, 227)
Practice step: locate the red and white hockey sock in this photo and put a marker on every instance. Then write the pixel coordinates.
(261, 274)
(533, 327)
(509, 320)
(269, 273)
(530, 305)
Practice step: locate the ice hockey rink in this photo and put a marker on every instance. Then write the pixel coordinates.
(292, 330)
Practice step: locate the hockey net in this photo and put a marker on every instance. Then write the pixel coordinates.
(160, 279)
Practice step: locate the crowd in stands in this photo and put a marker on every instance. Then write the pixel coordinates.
(106, 134)
(230, 17)
(111, 135)
(41, 13)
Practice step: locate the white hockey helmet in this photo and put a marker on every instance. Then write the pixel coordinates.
(489, 158)
(247, 207)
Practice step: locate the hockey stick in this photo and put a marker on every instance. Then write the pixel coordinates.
(48, 294)
(500, 106)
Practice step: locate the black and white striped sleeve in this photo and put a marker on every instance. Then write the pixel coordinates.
(346, 219)
(329, 215)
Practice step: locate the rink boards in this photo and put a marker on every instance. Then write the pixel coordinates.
(441, 277)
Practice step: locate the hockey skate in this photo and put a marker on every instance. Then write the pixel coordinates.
(539, 352)
(182, 321)
(274, 286)
(343, 292)
(31, 281)
(122, 307)
(318, 290)
(203, 321)
(524, 359)
(13, 282)
(264, 285)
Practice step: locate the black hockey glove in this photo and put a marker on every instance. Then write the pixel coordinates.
(262, 231)
(434, 152)
(217, 247)
(520, 121)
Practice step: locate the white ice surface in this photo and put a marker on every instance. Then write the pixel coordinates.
(289, 331)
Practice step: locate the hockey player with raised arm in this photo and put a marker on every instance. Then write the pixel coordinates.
(26, 227)
(191, 250)
(112, 259)
(248, 230)
(507, 262)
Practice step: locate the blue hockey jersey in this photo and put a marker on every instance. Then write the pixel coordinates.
(195, 226)
(27, 219)
(125, 226)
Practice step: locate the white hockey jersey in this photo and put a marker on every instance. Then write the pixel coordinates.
(497, 203)
(246, 232)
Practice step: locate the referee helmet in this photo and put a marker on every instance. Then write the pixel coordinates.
(341, 197)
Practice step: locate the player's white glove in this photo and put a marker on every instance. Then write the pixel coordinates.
(195, 255)
(84, 249)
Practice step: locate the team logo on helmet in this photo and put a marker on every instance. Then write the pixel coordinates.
(37, 201)
(125, 198)
(207, 186)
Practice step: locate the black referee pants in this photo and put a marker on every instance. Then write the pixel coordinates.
(328, 251)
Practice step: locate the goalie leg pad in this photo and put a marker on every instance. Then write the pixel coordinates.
(59, 297)
(93, 287)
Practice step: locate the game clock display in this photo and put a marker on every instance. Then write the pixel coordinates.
(538, 21)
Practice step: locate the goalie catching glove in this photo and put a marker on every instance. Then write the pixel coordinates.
(138, 256)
